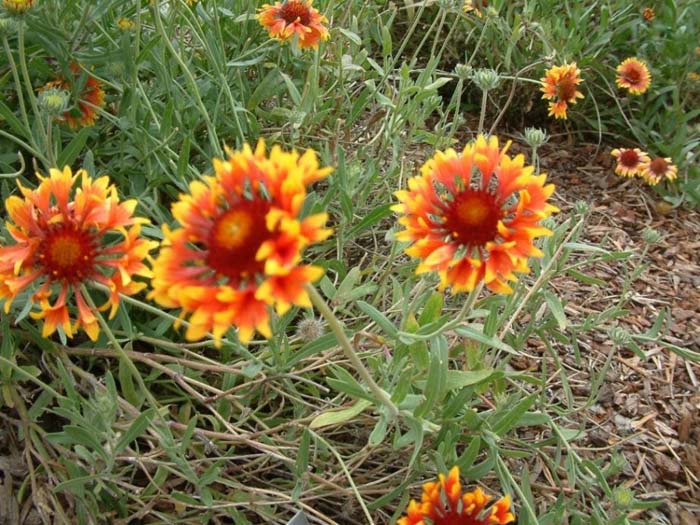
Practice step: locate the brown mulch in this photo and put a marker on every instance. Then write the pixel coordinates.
(648, 408)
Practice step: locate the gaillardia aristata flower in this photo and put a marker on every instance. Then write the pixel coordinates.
(560, 87)
(654, 170)
(61, 244)
(17, 6)
(290, 18)
(474, 215)
(237, 251)
(629, 161)
(443, 503)
(92, 96)
(633, 75)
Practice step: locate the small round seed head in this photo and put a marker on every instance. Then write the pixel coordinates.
(310, 329)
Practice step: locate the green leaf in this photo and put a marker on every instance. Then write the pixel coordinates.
(135, 430)
(457, 379)
(334, 417)
(471, 332)
(71, 152)
(434, 388)
(431, 310)
(378, 318)
(557, 309)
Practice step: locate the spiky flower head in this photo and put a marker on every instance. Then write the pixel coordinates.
(535, 137)
(54, 101)
(473, 216)
(310, 329)
(560, 87)
(629, 161)
(486, 79)
(648, 14)
(651, 236)
(17, 6)
(463, 71)
(444, 503)
(91, 98)
(657, 169)
(294, 18)
(237, 251)
(126, 24)
(62, 244)
(633, 75)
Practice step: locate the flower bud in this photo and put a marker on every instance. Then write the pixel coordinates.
(486, 79)
(463, 71)
(651, 236)
(54, 101)
(535, 137)
(17, 6)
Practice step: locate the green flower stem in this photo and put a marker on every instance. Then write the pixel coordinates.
(18, 84)
(337, 328)
(213, 137)
(123, 356)
(27, 78)
(482, 115)
(544, 276)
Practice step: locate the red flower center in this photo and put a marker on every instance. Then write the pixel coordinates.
(295, 10)
(236, 238)
(473, 216)
(566, 89)
(67, 253)
(629, 158)
(658, 166)
(632, 75)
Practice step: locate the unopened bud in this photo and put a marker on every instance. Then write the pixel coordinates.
(535, 137)
(486, 79)
(651, 236)
(463, 71)
(54, 101)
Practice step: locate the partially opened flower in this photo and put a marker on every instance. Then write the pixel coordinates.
(475, 6)
(654, 170)
(633, 75)
(560, 87)
(17, 6)
(474, 215)
(290, 18)
(649, 14)
(90, 97)
(237, 251)
(629, 161)
(62, 244)
(444, 503)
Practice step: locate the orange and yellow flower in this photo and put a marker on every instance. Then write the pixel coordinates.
(91, 97)
(629, 161)
(649, 14)
(62, 244)
(654, 170)
(237, 251)
(443, 503)
(17, 6)
(560, 87)
(471, 228)
(475, 6)
(633, 75)
(290, 18)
